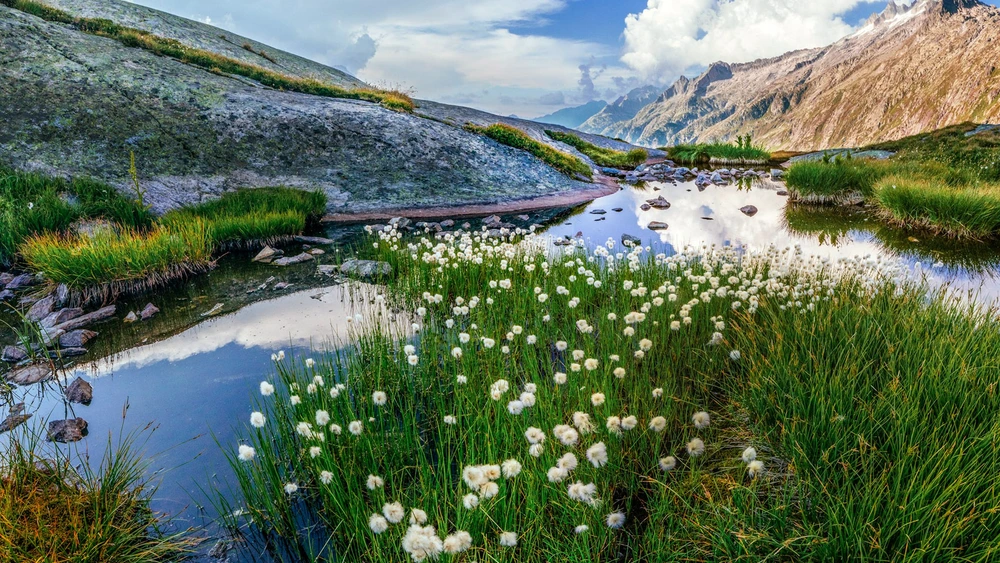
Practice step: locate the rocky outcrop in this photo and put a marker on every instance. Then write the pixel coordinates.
(75, 104)
(908, 70)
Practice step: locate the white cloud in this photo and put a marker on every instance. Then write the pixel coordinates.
(671, 36)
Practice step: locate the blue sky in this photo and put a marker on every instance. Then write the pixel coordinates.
(530, 57)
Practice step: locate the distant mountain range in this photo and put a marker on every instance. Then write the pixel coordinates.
(908, 69)
(573, 117)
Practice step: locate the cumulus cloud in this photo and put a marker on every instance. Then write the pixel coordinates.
(671, 36)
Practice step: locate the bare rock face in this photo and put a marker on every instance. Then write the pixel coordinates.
(908, 70)
(197, 134)
(67, 431)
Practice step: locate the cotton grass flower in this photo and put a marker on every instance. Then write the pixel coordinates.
(559, 378)
(393, 512)
(615, 520)
(582, 528)
(536, 450)
(508, 539)
(511, 468)
(629, 422)
(590, 364)
(291, 488)
(597, 399)
(266, 389)
(597, 455)
(534, 435)
(658, 424)
(315, 452)
(470, 501)
(749, 454)
(755, 468)
(583, 493)
(377, 523)
(417, 516)
(412, 359)
(374, 482)
(422, 543)
(668, 463)
(657, 393)
(456, 352)
(325, 477)
(701, 420)
(458, 542)
(450, 419)
(356, 427)
(379, 398)
(695, 447)
(735, 355)
(295, 400)
(322, 417)
(257, 419)
(246, 453)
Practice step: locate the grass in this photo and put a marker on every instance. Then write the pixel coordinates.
(32, 203)
(208, 60)
(600, 155)
(871, 404)
(52, 512)
(741, 152)
(944, 182)
(514, 137)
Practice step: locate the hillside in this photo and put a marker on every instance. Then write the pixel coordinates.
(77, 104)
(908, 70)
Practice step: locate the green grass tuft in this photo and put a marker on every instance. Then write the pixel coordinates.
(514, 137)
(741, 152)
(602, 156)
(963, 212)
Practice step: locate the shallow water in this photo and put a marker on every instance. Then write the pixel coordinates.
(195, 378)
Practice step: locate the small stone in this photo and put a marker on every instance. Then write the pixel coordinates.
(149, 311)
(42, 308)
(13, 354)
(776, 174)
(313, 240)
(645, 207)
(317, 251)
(629, 240)
(21, 282)
(598, 212)
(400, 223)
(365, 269)
(66, 431)
(62, 295)
(657, 226)
(6, 295)
(6, 278)
(67, 353)
(447, 223)
(29, 375)
(782, 192)
(749, 210)
(267, 254)
(281, 285)
(327, 269)
(290, 260)
(14, 419)
(131, 317)
(617, 209)
(492, 222)
(76, 339)
(659, 203)
(80, 392)
(524, 217)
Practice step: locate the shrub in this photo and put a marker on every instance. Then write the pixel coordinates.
(514, 137)
(602, 156)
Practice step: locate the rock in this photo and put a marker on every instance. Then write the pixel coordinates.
(6, 278)
(42, 308)
(659, 203)
(149, 311)
(6, 295)
(566, 241)
(13, 354)
(365, 269)
(67, 353)
(61, 316)
(29, 375)
(290, 260)
(777, 174)
(613, 172)
(88, 319)
(716, 178)
(316, 251)
(598, 212)
(749, 210)
(781, 192)
(617, 209)
(399, 223)
(67, 431)
(523, 217)
(62, 295)
(447, 223)
(14, 419)
(51, 335)
(21, 282)
(80, 392)
(629, 240)
(327, 269)
(280, 286)
(312, 240)
(645, 207)
(131, 317)
(657, 226)
(492, 222)
(77, 338)
(267, 254)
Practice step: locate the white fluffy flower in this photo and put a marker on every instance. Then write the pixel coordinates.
(508, 539)
(422, 543)
(470, 501)
(379, 398)
(378, 523)
(668, 463)
(450, 419)
(701, 420)
(597, 399)
(559, 378)
(457, 542)
(393, 512)
(581, 528)
(755, 468)
(749, 454)
(257, 419)
(246, 453)
(417, 516)
(291, 488)
(355, 427)
(511, 468)
(374, 482)
(322, 417)
(695, 447)
(325, 477)
(597, 454)
(658, 424)
(266, 389)
(615, 520)
(534, 435)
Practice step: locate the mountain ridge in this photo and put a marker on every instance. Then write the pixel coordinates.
(908, 70)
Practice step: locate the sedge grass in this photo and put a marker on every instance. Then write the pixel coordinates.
(514, 137)
(208, 60)
(600, 155)
(970, 212)
(741, 152)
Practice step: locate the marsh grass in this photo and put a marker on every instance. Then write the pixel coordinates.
(514, 137)
(960, 212)
(52, 511)
(600, 155)
(208, 60)
(741, 152)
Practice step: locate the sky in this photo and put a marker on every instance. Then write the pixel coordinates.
(530, 57)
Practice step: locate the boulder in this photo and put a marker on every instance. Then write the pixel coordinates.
(365, 269)
(280, 286)
(777, 174)
(76, 338)
(657, 226)
(399, 223)
(781, 192)
(67, 431)
(717, 178)
(42, 308)
(316, 251)
(290, 260)
(14, 419)
(6, 278)
(79, 392)
(447, 223)
(149, 311)
(659, 203)
(31, 374)
(13, 354)
(88, 319)
(749, 210)
(67, 353)
(61, 316)
(492, 222)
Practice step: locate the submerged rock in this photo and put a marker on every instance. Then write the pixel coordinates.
(131, 317)
(67, 352)
(365, 269)
(267, 254)
(31, 374)
(6, 295)
(89, 318)
(149, 311)
(80, 391)
(598, 212)
(61, 316)
(15, 418)
(657, 226)
(290, 260)
(659, 203)
(312, 240)
(42, 308)
(13, 354)
(67, 431)
(76, 339)
(749, 210)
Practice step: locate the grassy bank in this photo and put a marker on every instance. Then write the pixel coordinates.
(208, 60)
(33, 203)
(514, 137)
(600, 155)
(868, 405)
(945, 182)
(56, 513)
(741, 152)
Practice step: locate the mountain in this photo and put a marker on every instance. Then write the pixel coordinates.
(573, 117)
(622, 109)
(74, 103)
(907, 70)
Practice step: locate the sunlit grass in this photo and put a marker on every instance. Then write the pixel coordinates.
(741, 152)
(600, 155)
(514, 137)
(963, 212)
